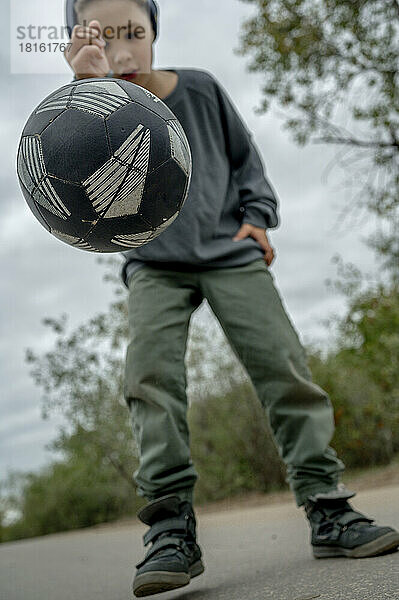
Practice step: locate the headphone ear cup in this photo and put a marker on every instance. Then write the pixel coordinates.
(71, 17)
(154, 16)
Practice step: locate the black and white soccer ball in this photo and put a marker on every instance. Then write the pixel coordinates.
(104, 165)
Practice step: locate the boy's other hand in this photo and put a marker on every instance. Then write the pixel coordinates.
(259, 234)
(86, 54)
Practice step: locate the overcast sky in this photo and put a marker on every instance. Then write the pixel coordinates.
(43, 277)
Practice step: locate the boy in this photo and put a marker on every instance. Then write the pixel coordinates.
(217, 249)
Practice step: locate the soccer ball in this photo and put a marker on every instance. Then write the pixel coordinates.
(104, 165)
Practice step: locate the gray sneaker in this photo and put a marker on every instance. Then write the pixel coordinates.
(340, 530)
(174, 557)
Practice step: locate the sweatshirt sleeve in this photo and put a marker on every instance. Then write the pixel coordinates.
(258, 200)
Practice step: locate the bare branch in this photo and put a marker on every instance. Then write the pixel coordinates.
(354, 142)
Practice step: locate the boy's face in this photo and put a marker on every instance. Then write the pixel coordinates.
(128, 33)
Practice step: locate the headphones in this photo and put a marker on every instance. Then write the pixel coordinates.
(72, 18)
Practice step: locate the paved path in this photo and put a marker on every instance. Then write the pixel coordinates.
(249, 554)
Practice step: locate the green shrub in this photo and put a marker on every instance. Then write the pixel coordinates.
(364, 432)
(232, 447)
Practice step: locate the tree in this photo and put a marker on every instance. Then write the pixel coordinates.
(324, 60)
(332, 66)
(82, 378)
(207, 363)
(368, 334)
(361, 369)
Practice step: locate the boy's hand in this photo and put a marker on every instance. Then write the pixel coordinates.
(86, 54)
(260, 236)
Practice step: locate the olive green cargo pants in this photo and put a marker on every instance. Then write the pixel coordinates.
(249, 309)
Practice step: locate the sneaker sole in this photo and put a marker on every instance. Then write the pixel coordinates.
(386, 542)
(155, 582)
(197, 568)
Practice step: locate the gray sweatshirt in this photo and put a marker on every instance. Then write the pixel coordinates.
(228, 185)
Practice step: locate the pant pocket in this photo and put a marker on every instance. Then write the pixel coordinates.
(135, 274)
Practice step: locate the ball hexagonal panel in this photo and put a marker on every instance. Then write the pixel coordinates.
(75, 145)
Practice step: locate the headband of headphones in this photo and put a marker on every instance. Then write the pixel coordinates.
(72, 18)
